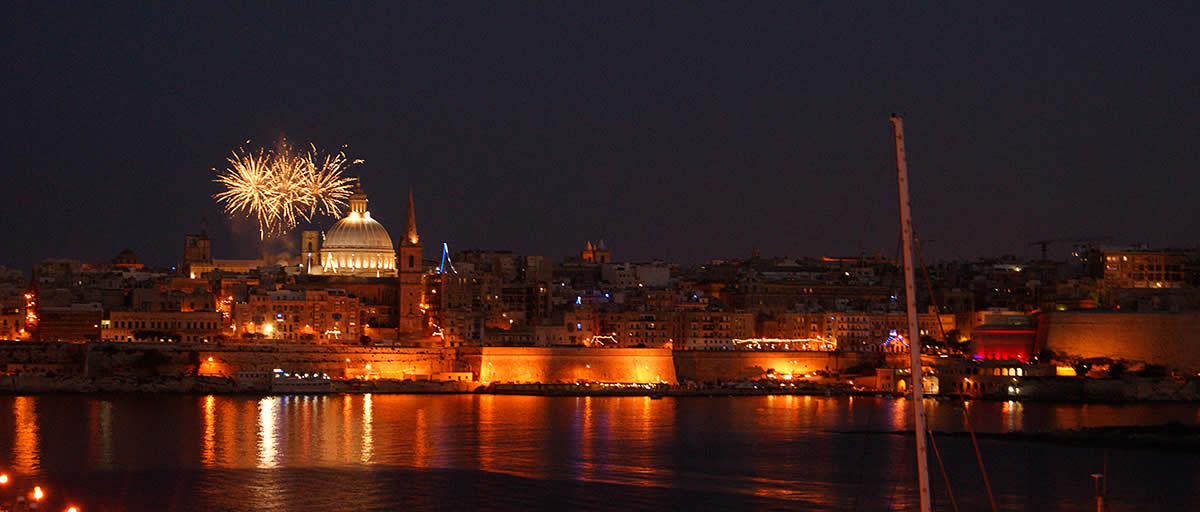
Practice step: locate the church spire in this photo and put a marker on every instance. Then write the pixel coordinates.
(410, 224)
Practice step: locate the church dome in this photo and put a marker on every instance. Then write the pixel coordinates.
(357, 244)
(358, 231)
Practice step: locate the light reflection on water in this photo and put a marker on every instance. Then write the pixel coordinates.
(249, 453)
(26, 455)
(368, 430)
(208, 455)
(100, 424)
(268, 420)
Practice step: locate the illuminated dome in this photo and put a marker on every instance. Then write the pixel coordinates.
(358, 231)
(358, 245)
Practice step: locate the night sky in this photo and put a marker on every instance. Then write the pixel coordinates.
(685, 132)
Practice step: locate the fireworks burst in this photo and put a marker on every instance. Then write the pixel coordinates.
(281, 188)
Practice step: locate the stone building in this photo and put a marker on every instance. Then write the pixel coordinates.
(165, 326)
(299, 316)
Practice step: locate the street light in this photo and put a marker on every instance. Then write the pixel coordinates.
(37, 493)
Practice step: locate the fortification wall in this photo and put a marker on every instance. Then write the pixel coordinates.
(17, 356)
(570, 364)
(705, 366)
(336, 360)
(1170, 339)
(488, 364)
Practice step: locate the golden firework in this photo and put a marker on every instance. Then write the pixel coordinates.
(280, 188)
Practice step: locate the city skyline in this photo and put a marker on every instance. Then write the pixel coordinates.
(682, 134)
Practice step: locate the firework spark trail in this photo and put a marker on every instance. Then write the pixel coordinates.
(280, 188)
(249, 189)
(288, 170)
(325, 187)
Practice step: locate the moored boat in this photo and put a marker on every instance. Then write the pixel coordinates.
(300, 383)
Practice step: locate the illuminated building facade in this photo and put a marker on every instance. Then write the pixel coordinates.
(856, 330)
(164, 326)
(299, 316)
(712, 330)
(202, 270)
(1146, 269)
(578, 329)
(32, 308)
(12, 324)
(462, 328)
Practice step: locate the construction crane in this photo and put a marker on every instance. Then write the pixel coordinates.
(1046, 243)
(446, 259)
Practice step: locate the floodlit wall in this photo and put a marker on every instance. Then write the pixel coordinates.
(1171, 339)
(706, 366)
(389, 363)
(570, 364)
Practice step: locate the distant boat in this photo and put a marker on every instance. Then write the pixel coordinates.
(300, 384)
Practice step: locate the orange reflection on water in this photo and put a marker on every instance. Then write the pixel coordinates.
(347, 416)
(100, 424)
(207, 455)
(586, 442)
(268, 422)
(26, 457)
(898, 419)
(1013, 417)
(368, 430)
(641, 462)
(489, 434)
(784, 415)
(421, 441)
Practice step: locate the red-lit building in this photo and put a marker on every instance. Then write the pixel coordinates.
(1006, 341)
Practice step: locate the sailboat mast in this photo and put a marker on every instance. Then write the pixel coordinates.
(914, 334)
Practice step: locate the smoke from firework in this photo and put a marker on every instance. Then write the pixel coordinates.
(280, 188)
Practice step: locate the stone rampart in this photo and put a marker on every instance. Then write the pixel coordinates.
(1170, 339)
(706, 366)
(38, 352)
(488, 364)
(570, 364)
(217, 359)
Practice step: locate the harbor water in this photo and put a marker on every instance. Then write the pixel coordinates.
(484, 452)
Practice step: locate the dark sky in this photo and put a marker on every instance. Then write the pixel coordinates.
(686, 132)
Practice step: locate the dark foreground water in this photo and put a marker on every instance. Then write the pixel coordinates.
(468, 452)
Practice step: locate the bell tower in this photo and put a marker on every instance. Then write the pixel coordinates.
(310, 249)
(411, 272)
